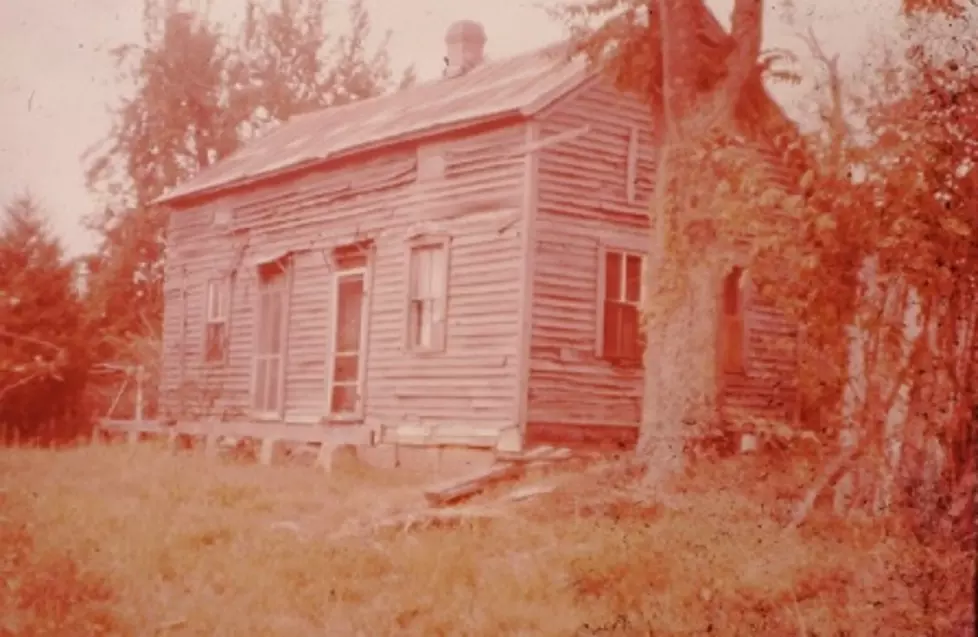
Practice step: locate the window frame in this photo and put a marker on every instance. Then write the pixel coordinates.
(285, 264)
(601, 348)
(221, 287)
(439, 338)
(341, 271)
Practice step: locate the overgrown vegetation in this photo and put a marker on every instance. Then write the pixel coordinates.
(867, 242)
(140, 541)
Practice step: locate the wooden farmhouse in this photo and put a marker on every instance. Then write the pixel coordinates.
(455, 264)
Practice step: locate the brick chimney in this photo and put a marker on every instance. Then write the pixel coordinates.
(465, 44)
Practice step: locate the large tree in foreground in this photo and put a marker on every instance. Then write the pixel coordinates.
(705, 91)
(888, 254)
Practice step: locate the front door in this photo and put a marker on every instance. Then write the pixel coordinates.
(348, 338)
(269, 355)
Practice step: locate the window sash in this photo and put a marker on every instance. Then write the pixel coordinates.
(427, 300)
(428, 272)
(217, 309)
(621, 336)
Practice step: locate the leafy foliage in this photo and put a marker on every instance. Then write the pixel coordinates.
(198, 92)
(868, 245)
(44, 362)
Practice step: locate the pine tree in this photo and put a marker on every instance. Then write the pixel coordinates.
(43, 358)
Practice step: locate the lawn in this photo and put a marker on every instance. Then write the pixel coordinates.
(133, 541)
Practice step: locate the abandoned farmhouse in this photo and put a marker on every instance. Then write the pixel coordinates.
(458, 263)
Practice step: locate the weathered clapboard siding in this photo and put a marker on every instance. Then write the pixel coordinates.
(583, 204)
(527, 231)
(768, 385)
(473, 384)
(197, 252)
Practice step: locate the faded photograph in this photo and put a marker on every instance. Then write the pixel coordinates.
(552, 318)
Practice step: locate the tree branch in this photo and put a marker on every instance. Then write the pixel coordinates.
(31, 339)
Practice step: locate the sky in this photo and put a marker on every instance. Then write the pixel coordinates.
(57, 82)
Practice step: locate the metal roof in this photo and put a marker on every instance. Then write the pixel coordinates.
(519, 85)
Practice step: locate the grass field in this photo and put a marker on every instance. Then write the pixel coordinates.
(123, 541)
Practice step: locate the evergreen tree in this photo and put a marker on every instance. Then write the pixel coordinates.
(43, 336)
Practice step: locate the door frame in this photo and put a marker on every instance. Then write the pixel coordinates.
(286, 268)
(338, 274)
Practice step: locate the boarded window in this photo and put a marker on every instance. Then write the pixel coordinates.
(270, 334)
(620, 338)
(350, 322)
(428, 295)
(732, 321)
(216, 321)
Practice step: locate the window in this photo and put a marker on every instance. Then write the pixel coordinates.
(620, 336)
(216, 322)
(732, 321)
(350, 322)
(270, 332)
(427, 294)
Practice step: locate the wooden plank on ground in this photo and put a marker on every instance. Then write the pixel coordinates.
(455, 490)
(541, 456)
(127, 426)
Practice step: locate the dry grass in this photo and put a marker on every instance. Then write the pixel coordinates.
(118, 541)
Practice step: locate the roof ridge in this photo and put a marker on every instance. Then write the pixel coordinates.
(486, 65)
(512, 85)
